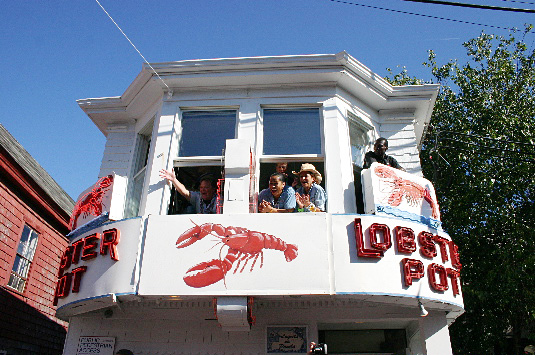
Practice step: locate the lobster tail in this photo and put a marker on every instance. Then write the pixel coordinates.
(291, 252)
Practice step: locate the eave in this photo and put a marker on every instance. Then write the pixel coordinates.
(339, 69)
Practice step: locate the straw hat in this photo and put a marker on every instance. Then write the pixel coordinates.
(311, 169)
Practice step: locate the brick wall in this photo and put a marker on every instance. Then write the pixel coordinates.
(28, 322)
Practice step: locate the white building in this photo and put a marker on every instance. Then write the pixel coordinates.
(356, 281)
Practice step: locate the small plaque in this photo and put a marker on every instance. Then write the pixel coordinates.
(95, 345)
(286, 340)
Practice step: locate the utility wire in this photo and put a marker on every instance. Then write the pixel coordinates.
(482, 137)
(521, 2)
(124, 34)
(421, 15)
(474, 6)
(487, 154)
(484, 146)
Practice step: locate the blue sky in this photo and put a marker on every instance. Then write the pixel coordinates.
(55, 52)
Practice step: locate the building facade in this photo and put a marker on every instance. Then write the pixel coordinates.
(34, 216)
(148, 275)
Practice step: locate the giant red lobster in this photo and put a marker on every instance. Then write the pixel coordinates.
(91, 202)
(412, 191)
(243, 245)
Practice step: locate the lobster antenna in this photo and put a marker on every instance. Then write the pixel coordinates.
(224, 278)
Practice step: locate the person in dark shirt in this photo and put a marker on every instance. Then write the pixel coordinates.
(379, 155)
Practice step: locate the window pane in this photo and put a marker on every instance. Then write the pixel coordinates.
(16, 282)
(292, 131)
(205, 132)
(358, 137)
(21, 266)
(28, 243)
(132, 208)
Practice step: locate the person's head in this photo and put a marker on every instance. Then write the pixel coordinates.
(308, 175)
(381, 146)
(281, 167)
(124, 352)
(277, 181)
(207, 188)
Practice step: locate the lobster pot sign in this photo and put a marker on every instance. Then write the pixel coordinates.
(392, 192)
(220, 255)
(102, 269)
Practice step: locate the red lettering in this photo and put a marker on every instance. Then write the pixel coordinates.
(110, 239)
(434, 269)
(62, 287)
(443, 244)
(77, 278)
(427, 247)
(362, 251)
(77, 249)
(454, 276)
(412, 269)
(90, 243)
(377, 228)
(405, 240)
(65, 260)
(455, 259)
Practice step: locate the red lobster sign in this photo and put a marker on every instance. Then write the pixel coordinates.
(243, 245)
(91, 203)
(403, 188)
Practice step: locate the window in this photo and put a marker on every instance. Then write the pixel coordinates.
(204, 133)
(23, 259)
(292, 131)
(292, 136)
(359, 140)
(202, 142)
(141, 158)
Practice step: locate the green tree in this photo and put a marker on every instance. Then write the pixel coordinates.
(480, 154)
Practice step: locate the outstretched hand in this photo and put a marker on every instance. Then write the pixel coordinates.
(167, 175)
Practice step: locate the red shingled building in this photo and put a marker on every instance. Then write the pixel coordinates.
(34, 217)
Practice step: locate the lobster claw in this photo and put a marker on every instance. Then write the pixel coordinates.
(205, 273)
(193, 235)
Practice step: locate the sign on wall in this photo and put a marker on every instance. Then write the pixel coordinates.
(95, 345)
(393, 256)
(99, 262)
(286, 340)
(236, 254)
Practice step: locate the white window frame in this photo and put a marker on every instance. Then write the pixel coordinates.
(22, 279)
(290, 158)
(203, 160)
(353, 118)
(143, 145)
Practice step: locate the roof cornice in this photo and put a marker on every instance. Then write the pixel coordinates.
(245, 72)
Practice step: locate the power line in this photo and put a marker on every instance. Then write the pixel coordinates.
(421, 15)
(487, 154)
(474, 6)
(483, 137)
(137, 50)
(521, 2)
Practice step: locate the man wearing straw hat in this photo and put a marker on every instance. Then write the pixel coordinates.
(310, 197)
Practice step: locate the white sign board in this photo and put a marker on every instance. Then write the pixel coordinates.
(95, 346)
(392, 192)
(380, 269)
(106, 196)
(236, 255)
(100, 262)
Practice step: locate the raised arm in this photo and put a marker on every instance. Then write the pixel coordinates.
(170, 176)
